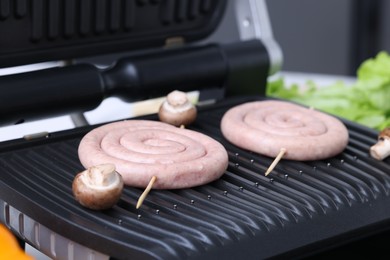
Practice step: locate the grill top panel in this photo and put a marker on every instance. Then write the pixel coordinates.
(300, 205)
(40, 30)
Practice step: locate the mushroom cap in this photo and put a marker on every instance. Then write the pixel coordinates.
(186, 117)
(177, 110)
(98, 187)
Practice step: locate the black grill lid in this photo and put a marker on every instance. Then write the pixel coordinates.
(300, 207)
(45, 30)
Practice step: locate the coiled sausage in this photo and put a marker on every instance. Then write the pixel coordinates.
(267, 126)
(141, 149)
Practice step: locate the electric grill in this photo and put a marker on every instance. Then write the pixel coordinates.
(300, 208)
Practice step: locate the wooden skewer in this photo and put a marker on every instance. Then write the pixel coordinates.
(146, 192)
(277, 159)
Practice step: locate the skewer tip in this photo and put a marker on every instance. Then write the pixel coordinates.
(276, 160)
(146, 192)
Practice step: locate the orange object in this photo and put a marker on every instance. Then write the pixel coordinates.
(9, 247)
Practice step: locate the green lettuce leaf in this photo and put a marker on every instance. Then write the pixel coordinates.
(366, 102)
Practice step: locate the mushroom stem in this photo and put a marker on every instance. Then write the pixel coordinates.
(100, 175)
(276, 160)
(146, 192)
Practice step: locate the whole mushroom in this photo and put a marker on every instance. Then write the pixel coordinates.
(381, 149)
(177, 110)
(98, 187)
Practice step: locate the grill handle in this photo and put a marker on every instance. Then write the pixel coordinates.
(82, 87)
(49, 92)
(153, 75)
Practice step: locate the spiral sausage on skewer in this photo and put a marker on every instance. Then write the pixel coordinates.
(141, 149)
(267, 126)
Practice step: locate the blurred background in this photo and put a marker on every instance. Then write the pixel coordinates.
(329, 37)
